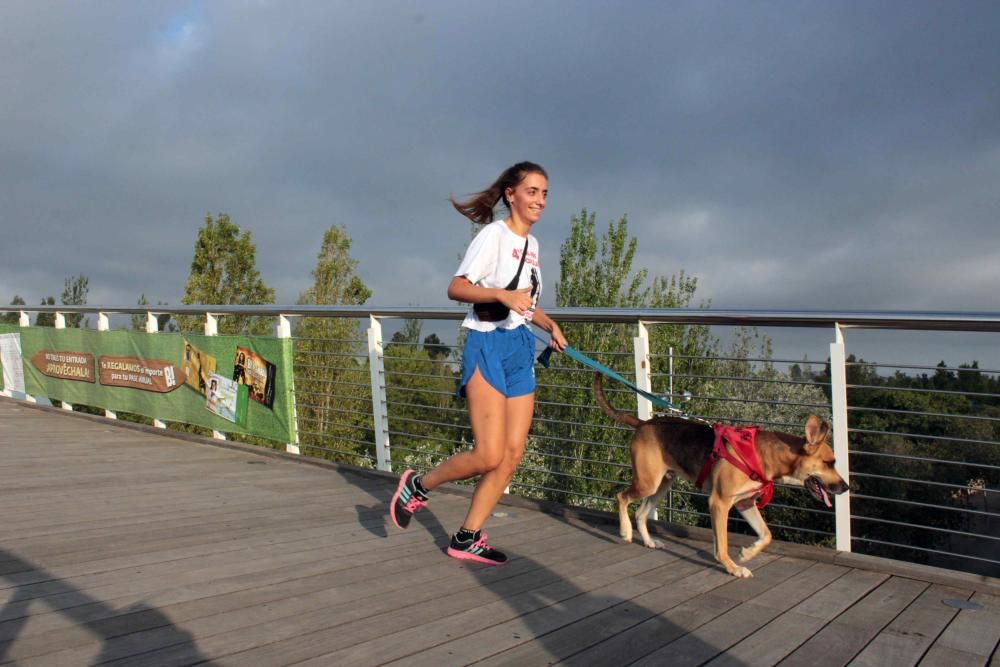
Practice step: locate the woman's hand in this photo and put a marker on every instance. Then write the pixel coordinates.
(518, 301)
(557, 341)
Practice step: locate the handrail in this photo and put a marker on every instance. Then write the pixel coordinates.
(919, 320)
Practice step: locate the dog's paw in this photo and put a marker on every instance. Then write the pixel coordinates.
(626, 535)
(747, 554)
(653, 544)
(741, 573)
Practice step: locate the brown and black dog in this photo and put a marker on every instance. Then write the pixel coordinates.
(665, 446)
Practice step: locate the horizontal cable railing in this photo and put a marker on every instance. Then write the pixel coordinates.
(919, 442)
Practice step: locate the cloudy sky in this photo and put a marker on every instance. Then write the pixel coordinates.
(790, 155)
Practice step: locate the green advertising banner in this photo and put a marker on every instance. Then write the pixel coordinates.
(233, 384)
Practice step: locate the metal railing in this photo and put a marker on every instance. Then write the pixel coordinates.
(920, 443)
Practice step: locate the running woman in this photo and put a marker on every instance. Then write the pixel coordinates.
(498, 376)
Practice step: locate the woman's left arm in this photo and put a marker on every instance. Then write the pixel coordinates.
(556, 341)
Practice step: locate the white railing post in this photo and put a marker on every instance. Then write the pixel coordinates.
(380, 414)
(212, 329)
(643, 372)
(61, 324)
(643, 380)
(670, 393)
(104, 325)
(152, 326)
(838, 400)
(285, 331)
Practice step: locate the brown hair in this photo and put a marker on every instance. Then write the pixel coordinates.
(479, 207)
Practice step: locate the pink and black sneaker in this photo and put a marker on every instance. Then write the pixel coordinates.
(407, 500)
(476, 549)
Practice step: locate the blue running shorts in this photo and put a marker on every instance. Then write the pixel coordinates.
(505, 358)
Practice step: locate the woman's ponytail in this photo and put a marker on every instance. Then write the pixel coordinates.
(479, 207)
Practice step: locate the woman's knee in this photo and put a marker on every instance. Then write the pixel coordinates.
(512, 458)
(487, 459)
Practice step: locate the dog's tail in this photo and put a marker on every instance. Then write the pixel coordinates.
(621, 417)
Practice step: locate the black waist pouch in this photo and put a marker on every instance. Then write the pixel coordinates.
(494, 311)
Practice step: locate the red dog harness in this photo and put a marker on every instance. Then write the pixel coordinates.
(743, 456)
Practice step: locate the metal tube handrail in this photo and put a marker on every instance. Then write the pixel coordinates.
(926, 321)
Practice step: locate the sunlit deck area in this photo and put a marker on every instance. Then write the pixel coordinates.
(124, 546)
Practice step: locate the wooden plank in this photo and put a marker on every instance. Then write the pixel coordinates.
(907, 638)
(788, 630)
(432, 621)
(560, 629)
(971, 631)
(713, 637)
(942, 656)
(277, 641)
(847, 635)
(615, 630)
(362, 559)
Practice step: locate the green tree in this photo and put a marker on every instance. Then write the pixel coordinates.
(435, 348)
(224, 272)
(13, 316)
(333, 389)
(409, 334)
(75, 294)
(46, 319)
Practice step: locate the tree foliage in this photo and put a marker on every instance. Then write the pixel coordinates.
(13, 316)
(75, 294)
(941, 427)
(224, 272)
(333, 390)
(46, 319)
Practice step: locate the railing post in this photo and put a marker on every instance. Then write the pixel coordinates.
(643, 380)
(380, 416)
(61, 324)
(838, 396)
(285, 331)
(152, 326)
(670, 392)
(643, 373)
(104, 325)
(212, 329)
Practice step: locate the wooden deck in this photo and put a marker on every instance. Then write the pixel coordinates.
(126, 547)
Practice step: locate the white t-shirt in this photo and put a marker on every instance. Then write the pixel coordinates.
(491, 261)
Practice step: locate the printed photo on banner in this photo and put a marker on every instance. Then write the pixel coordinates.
(198, 365)
(222, 396)
(257, 373)
(10, 363)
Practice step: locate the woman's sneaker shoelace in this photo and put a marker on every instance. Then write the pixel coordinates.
(406, 501)
(476, 550)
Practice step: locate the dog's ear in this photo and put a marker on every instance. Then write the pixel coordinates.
(816, 432)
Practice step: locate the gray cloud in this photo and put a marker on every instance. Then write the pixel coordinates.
(789, 155)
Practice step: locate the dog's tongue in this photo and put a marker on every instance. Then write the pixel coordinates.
(826, 498)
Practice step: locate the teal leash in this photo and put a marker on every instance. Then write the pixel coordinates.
(545, 357)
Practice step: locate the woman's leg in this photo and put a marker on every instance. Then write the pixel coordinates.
(517, 415)
(487, 415)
